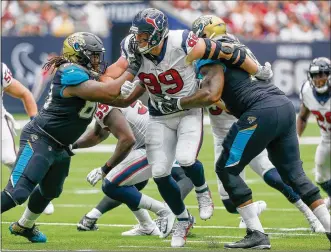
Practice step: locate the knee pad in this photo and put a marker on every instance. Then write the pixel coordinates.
(178, 173)
(185, 158)
(141, 185)
(9, 160)
(160, 170)
(21, 192)
(229, 206)
(108, 187)
(51, 193)
(326, 186)
(302, 185)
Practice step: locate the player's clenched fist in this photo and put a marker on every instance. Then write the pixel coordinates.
(94, 176)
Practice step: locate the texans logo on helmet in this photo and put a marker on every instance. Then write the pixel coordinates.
(157, 22)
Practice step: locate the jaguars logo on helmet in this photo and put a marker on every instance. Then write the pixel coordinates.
(209, 26)
(85, 49)
(154, 23)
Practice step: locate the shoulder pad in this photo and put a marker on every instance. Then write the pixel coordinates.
(73, 74)
(203, 62)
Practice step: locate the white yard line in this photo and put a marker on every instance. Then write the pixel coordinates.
(130, 225)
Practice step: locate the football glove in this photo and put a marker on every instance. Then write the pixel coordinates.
(94, 176)
(134, 63)
(168, 105)
(264, 72)
(128, 87)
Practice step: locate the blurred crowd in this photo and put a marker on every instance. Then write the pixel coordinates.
(257, 20)
(265, 20)
(58, 18)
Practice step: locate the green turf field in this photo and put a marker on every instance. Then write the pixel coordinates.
(287, 227)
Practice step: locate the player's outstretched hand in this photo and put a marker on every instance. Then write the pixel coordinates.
(94, 176)
(264, 72)
(128, 87)
(12, 122)
(169, 105)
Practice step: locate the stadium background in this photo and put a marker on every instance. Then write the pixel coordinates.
(288, 34)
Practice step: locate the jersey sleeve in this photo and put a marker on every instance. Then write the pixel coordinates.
(189, 40)
(6, 76)
(72, 75)
(204, 62)
(100, 114)
(302, 91)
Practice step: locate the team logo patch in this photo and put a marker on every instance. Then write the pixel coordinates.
(251, 119)
(76, 42)
(34, 137)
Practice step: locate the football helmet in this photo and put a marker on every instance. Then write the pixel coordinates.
(319, 74)
(85, 49)
(209, 26)
(150, 27)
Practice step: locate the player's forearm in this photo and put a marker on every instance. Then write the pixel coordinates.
(29, 104)
(89, 139)
(202, 98)
(301, 125)
(122, 150)
(250, 66)
(112, 88)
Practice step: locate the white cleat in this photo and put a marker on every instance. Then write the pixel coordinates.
(49, 209)
(182, 229)
(316, 226)
(165, 222)
(206, 205)
(139, 230)
(261, 206)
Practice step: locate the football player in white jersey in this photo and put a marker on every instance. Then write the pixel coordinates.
(315, 96)
(16, 89)
(166, 71)
(129, 164)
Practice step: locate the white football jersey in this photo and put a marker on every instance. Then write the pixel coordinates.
(136, 114)
(6, 80)
(169, 73)
(320, 108)
(220, 121)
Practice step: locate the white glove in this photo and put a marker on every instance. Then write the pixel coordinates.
(94, 176)
(264, 72)
(128, 87)
(13, 125)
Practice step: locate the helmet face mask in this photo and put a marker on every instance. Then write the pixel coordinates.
(85, 49)
(319, 74)
(150, 27)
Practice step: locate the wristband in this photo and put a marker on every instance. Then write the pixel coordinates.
(178, 104)
(31, 118)
(106, 168)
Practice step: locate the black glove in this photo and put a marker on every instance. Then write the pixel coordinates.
(70, 151)
(168, 105)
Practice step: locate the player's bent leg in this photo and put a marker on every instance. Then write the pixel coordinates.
(184, 183)
(245, 140)
(284, 154)
(190, 134)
